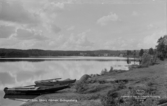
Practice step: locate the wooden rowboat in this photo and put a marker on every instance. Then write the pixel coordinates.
(53, 82)
(34, 89)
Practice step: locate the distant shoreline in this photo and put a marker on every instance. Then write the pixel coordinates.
(37, 53)
(109, 58)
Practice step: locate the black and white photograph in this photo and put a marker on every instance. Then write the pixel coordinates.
(83, 52)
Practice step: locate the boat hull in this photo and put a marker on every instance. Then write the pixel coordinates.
(41, 83)
(41, 90)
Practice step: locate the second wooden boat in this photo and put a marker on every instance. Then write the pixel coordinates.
(53, 82)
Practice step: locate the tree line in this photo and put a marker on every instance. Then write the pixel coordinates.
(160, 50)
(149, 56)
(11, 53)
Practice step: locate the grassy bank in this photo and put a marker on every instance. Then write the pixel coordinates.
(95, 90)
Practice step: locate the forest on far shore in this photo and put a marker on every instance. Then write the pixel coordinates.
(8, 53)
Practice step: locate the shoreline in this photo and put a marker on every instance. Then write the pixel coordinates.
(155, 75)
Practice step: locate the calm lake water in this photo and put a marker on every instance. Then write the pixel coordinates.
(21, 73)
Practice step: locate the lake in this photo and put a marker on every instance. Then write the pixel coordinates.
(21, 73)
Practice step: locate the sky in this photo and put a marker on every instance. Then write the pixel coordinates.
(82, 24)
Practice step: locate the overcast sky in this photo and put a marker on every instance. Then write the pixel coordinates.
(81, 24)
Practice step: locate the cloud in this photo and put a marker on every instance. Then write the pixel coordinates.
(55, 28)
(83, 40)
(78, 42)
(150, 26)
(13, 11)
(6, 78)
(106, 19)
(151, 40)
(59, 5)
(120, 43)
(64, 42)
(27, 34)
(134, 13)
(26, 75)
(6, 31)
(71, 28)
(55, 5)
(8, 43)
(20, 44)
(110, 1)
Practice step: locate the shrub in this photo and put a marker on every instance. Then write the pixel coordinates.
(121, 86)
(162, 101)
(148, 101)
(113, 97)
(152, 88)
(154, 59)
(104, 71)
(84, 85)
(162, 47)
(91, 88)
(147, 60)
(81, 85)
(111, 69)
(84, 78)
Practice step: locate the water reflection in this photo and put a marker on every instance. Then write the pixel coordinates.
(22, 98)
(21, 60)
(8, 102)
(24, 73)
(6, 78)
